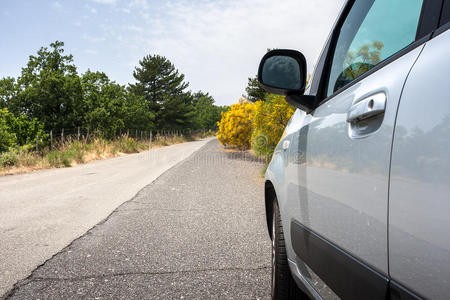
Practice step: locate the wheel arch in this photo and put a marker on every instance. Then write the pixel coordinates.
(269, 196)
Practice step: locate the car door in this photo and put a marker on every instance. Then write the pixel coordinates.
(419, 198)
(338, 196)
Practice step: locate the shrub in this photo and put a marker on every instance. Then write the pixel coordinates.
(7, 138)
(60, 159)
(19, 130)
(66, 157)
(79, 149)
(8, 159)
(235, 127)
(28, 158)
(269, 121)
(127, 145)
(259, 125)
(53, 159)
(26, 130)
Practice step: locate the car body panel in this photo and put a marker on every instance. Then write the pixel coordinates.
(419, 242)
(315, 183)
(338, 185)
(332, 177)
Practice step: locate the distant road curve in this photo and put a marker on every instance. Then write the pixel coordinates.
(42, 212)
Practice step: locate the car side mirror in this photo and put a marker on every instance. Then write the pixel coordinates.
(283, 72)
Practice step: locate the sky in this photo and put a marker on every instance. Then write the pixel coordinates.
(216, 44)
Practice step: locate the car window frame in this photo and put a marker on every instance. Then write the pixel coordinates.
(445, 14)
(428, 22)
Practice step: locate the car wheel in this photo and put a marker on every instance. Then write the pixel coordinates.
(283, 285)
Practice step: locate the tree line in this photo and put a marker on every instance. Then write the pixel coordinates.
(50, 94)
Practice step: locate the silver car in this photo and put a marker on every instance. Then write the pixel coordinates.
(358, 190)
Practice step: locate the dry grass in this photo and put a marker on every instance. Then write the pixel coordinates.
(73, 152)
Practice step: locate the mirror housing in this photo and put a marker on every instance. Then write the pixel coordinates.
(283, 72)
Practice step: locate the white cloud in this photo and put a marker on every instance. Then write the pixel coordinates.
(134, 28)
(93, 39)
(140, 4)
(105, 1)
(218, 45)
(91, 9)
(57, 5)
(90, 51)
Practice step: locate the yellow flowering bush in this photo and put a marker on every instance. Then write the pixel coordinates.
(235, 126)
(269, 120)
(259, 125)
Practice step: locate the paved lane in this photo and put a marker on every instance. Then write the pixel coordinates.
(42, 212)
(197, 232)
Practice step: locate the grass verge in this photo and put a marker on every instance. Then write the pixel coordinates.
(73, 152)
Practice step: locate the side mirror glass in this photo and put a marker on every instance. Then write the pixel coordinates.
(283, 72)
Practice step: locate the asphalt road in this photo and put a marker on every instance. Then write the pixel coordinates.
(196, 232)
(42, 212)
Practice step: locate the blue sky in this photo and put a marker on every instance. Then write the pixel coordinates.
(216, 44)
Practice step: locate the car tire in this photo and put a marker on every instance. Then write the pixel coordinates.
(283, 285)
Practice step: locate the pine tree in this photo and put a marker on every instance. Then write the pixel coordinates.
(254, 91)
(157, 79)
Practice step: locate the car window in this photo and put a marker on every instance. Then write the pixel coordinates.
(372, 31)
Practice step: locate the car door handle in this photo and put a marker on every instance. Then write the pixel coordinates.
(368, 107)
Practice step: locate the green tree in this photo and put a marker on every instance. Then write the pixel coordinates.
(157, 78)
(254, 90)
(103, 102)
(25, 130)
(8, 91)
(109, 107)
(206, 113)
(137, 115)
(49, 89)
(7, 137)
(176, 112)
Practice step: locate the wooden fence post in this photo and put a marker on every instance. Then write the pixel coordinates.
(78, 133)
(150, 139)
(37, 141)
(51, 140)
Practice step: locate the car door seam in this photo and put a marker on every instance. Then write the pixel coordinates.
(390, 157)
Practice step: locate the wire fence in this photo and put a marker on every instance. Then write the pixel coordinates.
(55, 138)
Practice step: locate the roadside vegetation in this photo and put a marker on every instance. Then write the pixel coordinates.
(256, 122)
(72, 152)
(44, 108)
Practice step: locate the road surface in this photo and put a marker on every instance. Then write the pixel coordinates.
(196, 232)
(42, 212)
